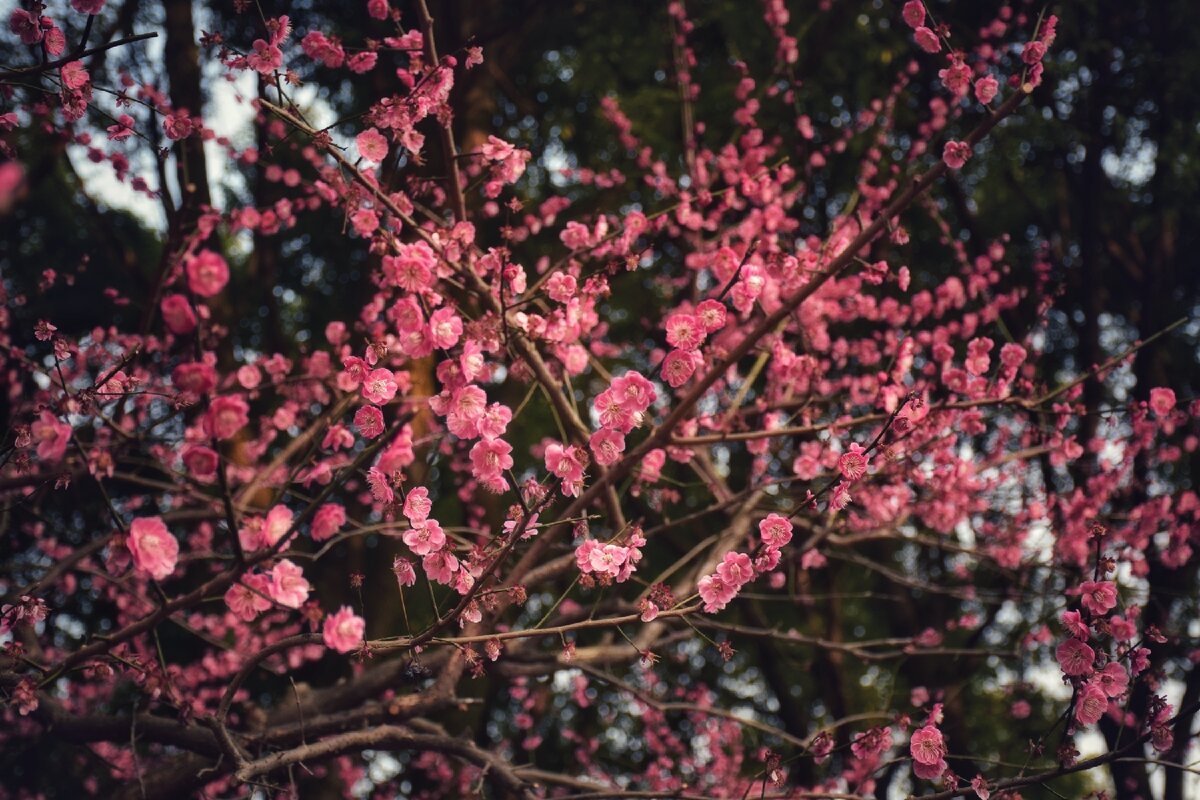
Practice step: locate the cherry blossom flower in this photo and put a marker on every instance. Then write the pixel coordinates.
(329, 518)
(1098, 597)
(343, 630)
(155, 551)
(775, 531)
(955, 154)
(425, 538)
(1162, 401)
(369, 421)
(927, 745)
(207, 273)
(52, 437)
(288, 586)
(853, 464)
(372, 145)
(417, 505)
(1075, 657)
(1090, 705)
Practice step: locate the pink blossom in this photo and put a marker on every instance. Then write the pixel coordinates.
(566, 463)
(343, 630)
(445, 328)
(840, 497)
(735, 569)
(1098, 597)
(52, 437)
(372, 145)
(927, 40)
(955, 154)
(207, 273)
(178, 125)
(402, 568)
(712, 315)
(326, 522)
(379, 386)
(226, 416)
(425, 538)
(914, 13)
(490, 458)
(607, 446)
(927, 745)
(369, 421)
(775, 531)
(679, 366)
(288, 586)
(1090, 705)
(377, 9)
(986, 89)
(154, 549)
(1162, 401)
(276, 525)
(249, 598)
(684, 331)
(200, 461)
(1113, 680)
(178, 314)
(715, 593)
(1075, 657)
(440, 566)
(74, 75)
(417, 505)
(853, 464)
(1073, 622)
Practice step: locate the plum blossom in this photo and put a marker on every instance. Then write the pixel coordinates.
(155, 551)
(343, 630)
(1075, 657)
(207, 273)
(288, 586)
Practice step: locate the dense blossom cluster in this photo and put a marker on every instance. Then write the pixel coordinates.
(867, 403)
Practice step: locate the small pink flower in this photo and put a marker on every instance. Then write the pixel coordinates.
(402, 568)
(74, 75)
(440, 566)
(853, 464)
(1162, 401)
(715, 593)
(417, 505)
(1090, 705)
(372, 145)
(249, 598)
(288, 586)
(1075, 657)
(914, 13)
(276, 525)
(1098, 597)
(735, 569)
(226, 416)
(326, 522)
(207, 273)
(840, 497)
(155, 551)
(200, 461)
(369, 421)
(986, 89)
(775, 531)
(927, 40)
(380, 386)
(178, 314)
(343, 630)
(178, 125)
(955, 154)
(607, 446)
(425, 538)
(927, 746)
(1113, 680)
(52, 437)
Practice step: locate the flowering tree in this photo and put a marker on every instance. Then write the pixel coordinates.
(605, 451)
